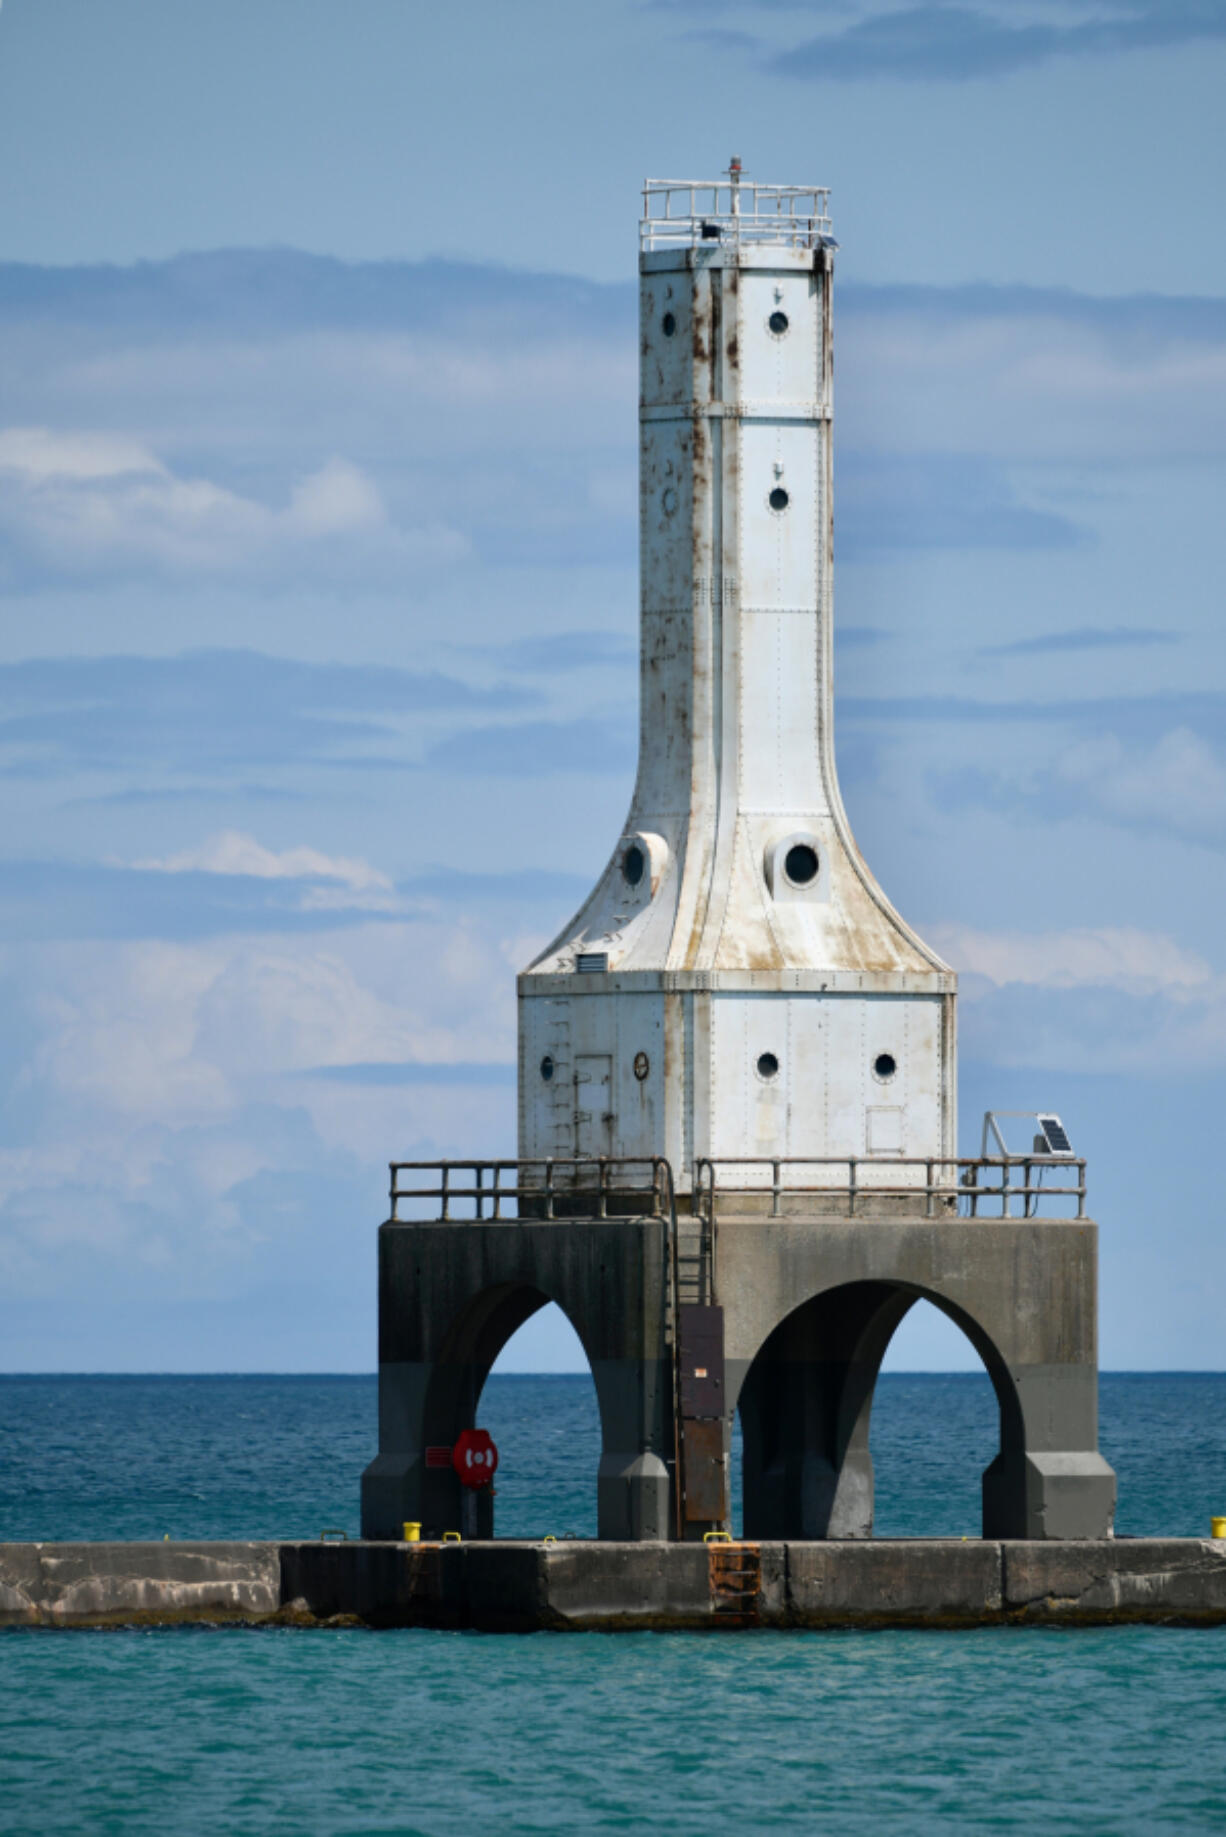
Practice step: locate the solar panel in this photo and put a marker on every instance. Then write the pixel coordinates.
(1057, 1137)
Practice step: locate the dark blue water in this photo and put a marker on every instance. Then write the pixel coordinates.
(1016, 1730)
(280, 1457)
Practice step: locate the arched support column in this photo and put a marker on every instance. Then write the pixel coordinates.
(810, 1306)
(805, 1407)
(452, 1295)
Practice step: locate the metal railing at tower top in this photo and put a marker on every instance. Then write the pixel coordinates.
(689, 212)
(598, 1186)
(778, 1187)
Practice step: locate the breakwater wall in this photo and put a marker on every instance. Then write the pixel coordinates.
(507, 1586)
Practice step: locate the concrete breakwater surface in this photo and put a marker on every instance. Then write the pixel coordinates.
(518, 1587)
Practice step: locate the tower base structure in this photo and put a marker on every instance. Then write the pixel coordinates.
(686, 1320)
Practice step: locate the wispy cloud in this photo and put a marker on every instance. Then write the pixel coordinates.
(1134, 776)
(939, 501)
(564, 651)
(439, 1073)
(541, 749)
(1178, 785)
(211, 713)
(962, 43)
(273, 420)
(78, 504)
(1141, 716)
(1090, 999)
(1138, 962)
(234, 853)
(1084, 638)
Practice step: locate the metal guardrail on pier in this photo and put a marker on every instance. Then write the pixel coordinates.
(535, 1188)
(943, 1185)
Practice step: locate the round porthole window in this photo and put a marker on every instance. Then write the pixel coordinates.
(668, 325)
(768, 1066)
(669, 501)
(634, 864)
(779, 499)
(778, 323)
(884, 1066)
(800, 864)
(642, 1065)
(547, 1068)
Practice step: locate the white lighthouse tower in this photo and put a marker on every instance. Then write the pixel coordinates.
(737, 984)
(738, 1003)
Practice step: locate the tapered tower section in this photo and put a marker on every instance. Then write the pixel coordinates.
(737, 985)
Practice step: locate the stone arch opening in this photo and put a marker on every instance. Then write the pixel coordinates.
(935, 1427)
(459, 1396)
(540, 1406)
(805, 1405)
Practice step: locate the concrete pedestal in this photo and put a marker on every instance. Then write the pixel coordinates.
(810, 1305)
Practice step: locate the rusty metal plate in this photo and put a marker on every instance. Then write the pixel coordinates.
(704, 1473)
(700, 1342)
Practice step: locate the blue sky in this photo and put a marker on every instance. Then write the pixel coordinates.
(318, 564)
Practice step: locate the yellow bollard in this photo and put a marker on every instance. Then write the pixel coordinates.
(1217, 1527)
(412, 1531)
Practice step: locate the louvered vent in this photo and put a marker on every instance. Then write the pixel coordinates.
(592, 962)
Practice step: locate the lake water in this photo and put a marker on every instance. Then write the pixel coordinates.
(196, 1730)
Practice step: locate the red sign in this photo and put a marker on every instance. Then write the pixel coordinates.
(475, 1458)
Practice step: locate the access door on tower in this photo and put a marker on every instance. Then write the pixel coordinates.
(593, 1103)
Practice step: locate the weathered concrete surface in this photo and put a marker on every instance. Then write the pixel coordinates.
(125, 1584)
(893, 1583)
(451, 1295)
(524, 1587)
(1173, 1578)
(810, 1305)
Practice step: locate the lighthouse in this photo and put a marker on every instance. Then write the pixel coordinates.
(737, 986)
(738, 1168)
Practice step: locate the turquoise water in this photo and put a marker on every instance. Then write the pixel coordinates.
(195, 1730)
(349, 1732)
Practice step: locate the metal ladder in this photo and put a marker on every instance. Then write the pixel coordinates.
(735, 1579)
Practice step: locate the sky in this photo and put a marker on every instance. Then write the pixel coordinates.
(318, 577)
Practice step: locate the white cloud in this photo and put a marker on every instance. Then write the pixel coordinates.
(1034, 385)
(175, 1034)
(1179, 784)
(89, 504)
(177, 1141)
(39, 454)
(233, 852)
(1135, 962)
(338, 497)
(1087, 1000)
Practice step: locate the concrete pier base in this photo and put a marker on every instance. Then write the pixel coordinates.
(527, 1587)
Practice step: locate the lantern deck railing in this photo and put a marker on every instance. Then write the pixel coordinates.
(681, 212)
